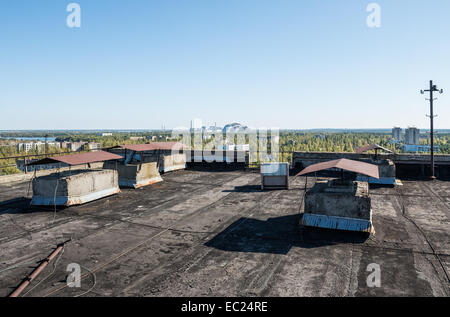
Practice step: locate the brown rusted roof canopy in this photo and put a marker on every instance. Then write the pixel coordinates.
(345, 164)
(78, 159)
(372, 147)
(154, 146)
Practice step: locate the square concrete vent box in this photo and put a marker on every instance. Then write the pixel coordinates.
(75, 187)
(169, 156)
(386, 167)
(135, 175)
(342, 204)
(274, 176)
(172, 162)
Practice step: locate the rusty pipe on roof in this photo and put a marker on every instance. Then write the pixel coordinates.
(37, 270)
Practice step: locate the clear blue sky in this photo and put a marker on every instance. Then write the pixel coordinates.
(279, 63)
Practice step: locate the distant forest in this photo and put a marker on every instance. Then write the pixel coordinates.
(290, 141)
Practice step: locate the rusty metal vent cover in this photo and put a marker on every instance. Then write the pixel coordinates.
(345, 164)
(79, 159)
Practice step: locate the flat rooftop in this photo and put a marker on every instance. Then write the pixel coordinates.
(204, 233)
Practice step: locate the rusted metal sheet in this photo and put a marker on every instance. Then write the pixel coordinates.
(371, 147)
(169, 145)
(154, 146)
(79, 159)
(345, 164)
(37, 270)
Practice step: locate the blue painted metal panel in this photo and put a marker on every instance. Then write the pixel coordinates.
(333, 222)
(49, 201)
(381, 180)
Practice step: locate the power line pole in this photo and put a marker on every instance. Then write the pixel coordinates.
(45, 145)
(433, 88)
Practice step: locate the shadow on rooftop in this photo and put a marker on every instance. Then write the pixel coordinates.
(251, 189)
(18, 205)
(278, 236)
(22, 205)
(244, 189)
(215, 166)
(378, 186)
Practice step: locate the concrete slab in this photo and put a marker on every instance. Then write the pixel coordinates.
(136, 175)
(74, 187)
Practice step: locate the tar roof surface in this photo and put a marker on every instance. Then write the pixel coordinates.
(217, 234)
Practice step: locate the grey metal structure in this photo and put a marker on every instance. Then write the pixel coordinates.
(274, 176)
(433, 88)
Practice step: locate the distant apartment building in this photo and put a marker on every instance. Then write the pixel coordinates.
(397, 134)
(93, 146)
(26, 147)
(76, 146)
(106, 134)
(72, 146)
(135, 138)
(412, 135)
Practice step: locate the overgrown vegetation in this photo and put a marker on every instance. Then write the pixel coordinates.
(8, 147)
(290, 141)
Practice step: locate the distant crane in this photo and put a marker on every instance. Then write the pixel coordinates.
(433, 88)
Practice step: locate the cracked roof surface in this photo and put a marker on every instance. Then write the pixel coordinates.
(203, 233)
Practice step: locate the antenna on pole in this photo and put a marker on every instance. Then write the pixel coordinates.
(45, 145)
(433, 88)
